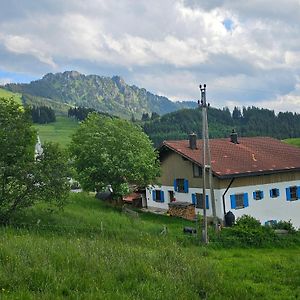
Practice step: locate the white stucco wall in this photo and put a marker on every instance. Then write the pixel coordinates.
(267, 208)
(182, 197)
(264, 210)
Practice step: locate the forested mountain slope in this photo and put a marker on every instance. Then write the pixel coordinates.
(111, 95)
(251, 121)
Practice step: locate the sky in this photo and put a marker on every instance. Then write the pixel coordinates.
(247, 52)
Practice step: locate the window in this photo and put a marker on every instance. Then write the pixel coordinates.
(171, 196)
(258, 195)
(197, 171)
(181, 185)
(158, 196)
(197, 199)
(274, 193)
(271, 223)
(293, 193)
(239, 201)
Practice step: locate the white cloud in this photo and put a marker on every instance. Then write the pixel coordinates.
(167, 46)
(25, 45)
(5, 80)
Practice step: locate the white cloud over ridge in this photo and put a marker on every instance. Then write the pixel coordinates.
(168, 47)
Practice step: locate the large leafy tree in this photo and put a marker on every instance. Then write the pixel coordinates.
(111, 151)
(24, 179)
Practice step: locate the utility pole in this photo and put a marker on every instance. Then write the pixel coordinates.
(206, 165)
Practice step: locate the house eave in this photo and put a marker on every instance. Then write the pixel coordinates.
(258, 173)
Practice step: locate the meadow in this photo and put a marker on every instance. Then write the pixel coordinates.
(294, 141)
(60, 131)
(91, 250)
(7, 94)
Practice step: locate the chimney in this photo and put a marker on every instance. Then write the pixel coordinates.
(193, 141)
(234, 137)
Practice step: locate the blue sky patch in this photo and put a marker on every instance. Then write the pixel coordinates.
(16, 77)
(228, 24)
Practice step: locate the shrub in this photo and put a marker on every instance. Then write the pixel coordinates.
(287, 225)
(247, 222)
(247, 232)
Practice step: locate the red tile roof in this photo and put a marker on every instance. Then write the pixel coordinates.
(255, 155)
(131, 197)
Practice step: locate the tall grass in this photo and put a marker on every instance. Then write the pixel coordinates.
(93, 251)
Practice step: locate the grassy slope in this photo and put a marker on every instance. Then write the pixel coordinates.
(69, 255)
(59, 131)
(295, 141)
(7, 94)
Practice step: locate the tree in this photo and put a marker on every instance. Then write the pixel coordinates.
(154, 116)
(145, 117)
(111, 151)
(24, 180)
(236, 114)
(42, 114)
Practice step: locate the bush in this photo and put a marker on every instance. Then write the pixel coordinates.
(247, 232)
(247, 221)
(286, 225)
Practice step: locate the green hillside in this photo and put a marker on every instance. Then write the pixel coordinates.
(105, 94)
(59, 131)
(7, 94)
(250, 121)
(58, 107)
(295, 141)
(62, 130)
(93, 251)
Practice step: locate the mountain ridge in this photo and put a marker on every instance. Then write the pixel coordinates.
(107, 94)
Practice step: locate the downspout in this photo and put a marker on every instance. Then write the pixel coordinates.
(223, 196)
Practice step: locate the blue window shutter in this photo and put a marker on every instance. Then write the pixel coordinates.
(254, 195)
(175, 185)
(194, 199)
(207, 202)
(262, 194)
(288, 194)
(246, 201)
(271, 195)
(186, 185)
(153, 195)
(162, 196)
(278, 192)
(298, 192)
(232, 201)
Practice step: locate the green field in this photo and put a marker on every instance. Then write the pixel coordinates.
(295, 141)
(93, 251)
(59, 131)
(8, 94)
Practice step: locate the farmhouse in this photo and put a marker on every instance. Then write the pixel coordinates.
(257, 176)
